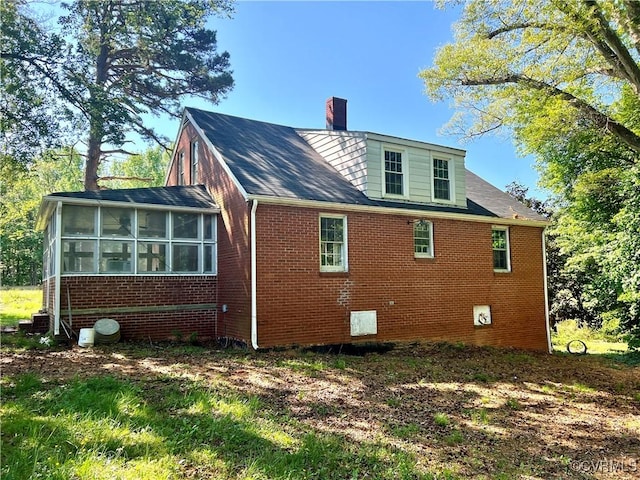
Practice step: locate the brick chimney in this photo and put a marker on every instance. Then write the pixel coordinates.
(336, 114)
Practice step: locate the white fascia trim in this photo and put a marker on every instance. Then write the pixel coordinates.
(144, 206)
(254, 278)
(388, 139)
(219, 157)
(546, 290)
(293, 202)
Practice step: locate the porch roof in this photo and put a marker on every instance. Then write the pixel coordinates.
(185, 197)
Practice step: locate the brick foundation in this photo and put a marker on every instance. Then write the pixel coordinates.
(146, 307)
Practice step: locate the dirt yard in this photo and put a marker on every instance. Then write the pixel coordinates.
(467, 412)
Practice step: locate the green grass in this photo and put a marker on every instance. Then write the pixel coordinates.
(441, 419)
(18, 304)
(164, 411)
(597, 341)
(104, 427)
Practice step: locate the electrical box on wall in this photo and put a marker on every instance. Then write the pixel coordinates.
(364, 323)
(481, 315)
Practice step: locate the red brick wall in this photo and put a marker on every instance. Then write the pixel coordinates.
(234, 287)
(415, 299)
(160, 294)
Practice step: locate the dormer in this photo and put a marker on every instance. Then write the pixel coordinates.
(390, 168)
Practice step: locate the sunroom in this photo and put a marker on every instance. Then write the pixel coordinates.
(144, 257)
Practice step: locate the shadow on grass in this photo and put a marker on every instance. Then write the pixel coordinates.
(436, 412)
(51, 431)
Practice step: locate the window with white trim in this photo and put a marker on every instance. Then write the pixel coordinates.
(120, 240)
(181, 179)
(501, 254)
(441, 179)
(194, 162)
(394, 173)
(333, 243)
(423, 239)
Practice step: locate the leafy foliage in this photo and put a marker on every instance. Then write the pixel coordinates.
(113, 62)
(147, 169)
(22, 191)
(30, 112)
(564, 78)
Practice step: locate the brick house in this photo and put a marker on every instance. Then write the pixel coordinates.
(335, 236)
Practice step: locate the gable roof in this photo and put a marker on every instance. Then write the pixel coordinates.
(273, 160)
(270, 160)
(170, 198)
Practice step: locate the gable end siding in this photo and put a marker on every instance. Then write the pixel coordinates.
(344, 151)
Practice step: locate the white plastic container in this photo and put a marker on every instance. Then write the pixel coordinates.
(86, 337)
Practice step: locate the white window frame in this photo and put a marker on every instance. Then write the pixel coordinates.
(452, 179)
(405, 171)
(181, 168)
(501, 228)
(193, 161)
(431, 253)
(345, 242)
(97, 239)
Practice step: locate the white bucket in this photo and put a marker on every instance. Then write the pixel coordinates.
(85, 339)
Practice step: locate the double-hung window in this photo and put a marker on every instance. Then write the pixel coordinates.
(441, 180)
(194, 162)
(181, 179)
(500, 240)
(333, 243)
(78, 239)
(423, 239)
(394, 173)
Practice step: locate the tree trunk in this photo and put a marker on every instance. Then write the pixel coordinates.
(96, 127)
(93, 158)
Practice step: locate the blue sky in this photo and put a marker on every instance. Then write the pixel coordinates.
(289, 57)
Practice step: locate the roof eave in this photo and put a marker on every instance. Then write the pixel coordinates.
(48, 204)
(296, 202)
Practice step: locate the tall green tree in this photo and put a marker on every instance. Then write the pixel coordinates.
(564, 79)
(543, 68)
(131, 58)
(112, 63)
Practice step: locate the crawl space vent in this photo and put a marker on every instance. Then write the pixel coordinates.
(364, 323)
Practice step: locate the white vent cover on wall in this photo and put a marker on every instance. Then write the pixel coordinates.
(364, 323)
(481, 315)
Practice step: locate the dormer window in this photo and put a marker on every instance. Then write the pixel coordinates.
(441, 180)
(394, 173)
